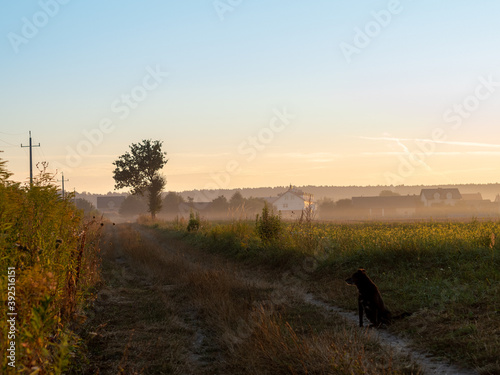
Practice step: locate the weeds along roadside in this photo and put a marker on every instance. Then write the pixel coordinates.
(446, 273)
(54, 252)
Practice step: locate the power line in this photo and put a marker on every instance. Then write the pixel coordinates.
(31, 158)
(42, 153)
(62, 180)
(8, 143)
(11, 133)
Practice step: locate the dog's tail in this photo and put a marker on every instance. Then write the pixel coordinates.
(401, 316)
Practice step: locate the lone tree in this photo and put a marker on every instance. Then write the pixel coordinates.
(140, 169)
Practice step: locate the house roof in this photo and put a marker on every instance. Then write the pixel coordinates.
(270, 199)
(298, 193)
(472, 197)
(385, 202)
(443, 193)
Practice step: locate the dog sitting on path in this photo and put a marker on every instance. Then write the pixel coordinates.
(369, 300)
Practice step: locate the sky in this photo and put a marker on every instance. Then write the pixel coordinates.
(250, 93)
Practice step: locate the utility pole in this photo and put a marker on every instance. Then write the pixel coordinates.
(31, 159)
(62, 180)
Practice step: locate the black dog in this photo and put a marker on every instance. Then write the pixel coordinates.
(369, 300)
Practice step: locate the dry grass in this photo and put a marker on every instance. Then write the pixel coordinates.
(449, 319)
(467, 329)
(134, 326)
(279, 346)
(446, 273)
(218, 322)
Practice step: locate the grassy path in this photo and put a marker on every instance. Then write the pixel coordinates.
(134, 326)
(167, 308)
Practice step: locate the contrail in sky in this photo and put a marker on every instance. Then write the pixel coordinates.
(455, 143)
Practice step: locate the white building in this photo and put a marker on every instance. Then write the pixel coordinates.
(448, 197)
(293, 202)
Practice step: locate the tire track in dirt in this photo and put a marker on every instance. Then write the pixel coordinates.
(137, 325)
(397, 345)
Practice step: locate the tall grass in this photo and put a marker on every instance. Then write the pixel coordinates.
(244, 332)
(54, 252)
(446, 273)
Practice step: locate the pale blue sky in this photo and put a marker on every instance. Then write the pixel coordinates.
(228, 77)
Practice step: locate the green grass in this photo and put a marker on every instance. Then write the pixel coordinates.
(249, 334)
(445, 273)
(54, 253)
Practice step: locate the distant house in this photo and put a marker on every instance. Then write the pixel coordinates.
(110, 203)
(476, 205)
(293, 202)
(472, 197)
(391, 206)
(439, 196)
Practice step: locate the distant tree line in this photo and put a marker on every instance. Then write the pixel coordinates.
(327, 207)
(173, 204)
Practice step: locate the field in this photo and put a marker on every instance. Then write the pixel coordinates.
(445, 273)
(240, 297)
(169, 308)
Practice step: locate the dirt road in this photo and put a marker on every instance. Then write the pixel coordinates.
(167, 308)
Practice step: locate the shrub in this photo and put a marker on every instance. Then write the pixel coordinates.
(194, 222)
(268, 225)
(53, 254)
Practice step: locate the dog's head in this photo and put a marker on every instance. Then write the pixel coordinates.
(356, 278)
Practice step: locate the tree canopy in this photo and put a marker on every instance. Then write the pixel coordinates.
(133, 205)
(171, 203)
(140, 169)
